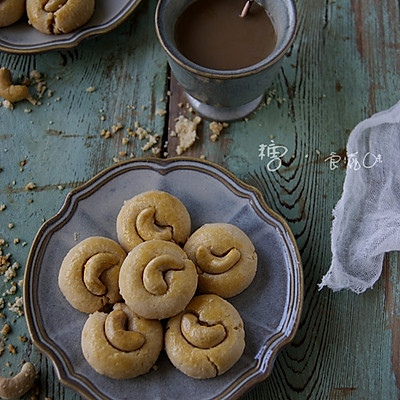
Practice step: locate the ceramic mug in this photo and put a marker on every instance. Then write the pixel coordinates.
(218, 94)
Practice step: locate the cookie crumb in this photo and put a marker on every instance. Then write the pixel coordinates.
(7, 104)
(185, 129)
(161, 112)
(30, 186)
(11, 349)
(216, 129)
(6, 329)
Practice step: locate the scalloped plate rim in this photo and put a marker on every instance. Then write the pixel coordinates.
(277, 341)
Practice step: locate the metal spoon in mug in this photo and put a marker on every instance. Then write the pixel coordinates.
(246, 8)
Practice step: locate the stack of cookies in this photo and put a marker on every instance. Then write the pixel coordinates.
(160, 287)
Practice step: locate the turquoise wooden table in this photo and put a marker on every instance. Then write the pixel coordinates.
(343, 66)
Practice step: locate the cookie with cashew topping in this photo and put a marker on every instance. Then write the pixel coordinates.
(225, 258)
(152, 215)
(59, 16)
(88, 277)
(11, 11)
(206, 339)
(121, 345)
(157, 280)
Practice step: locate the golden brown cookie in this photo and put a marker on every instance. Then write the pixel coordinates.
(157, 280)
(11, 11)
(59, 16)
(121, 345)
(206, 339)
(88, 276)
(225, 259)
(152, 215)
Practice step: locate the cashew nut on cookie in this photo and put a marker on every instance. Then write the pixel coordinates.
(157, 280)
(225, 259)
(121, 345)
(89, 274)
(152, 215)
(206, 339)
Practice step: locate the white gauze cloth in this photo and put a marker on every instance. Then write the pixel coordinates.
(366, 221)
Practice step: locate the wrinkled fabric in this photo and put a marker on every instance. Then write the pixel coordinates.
(366, 222)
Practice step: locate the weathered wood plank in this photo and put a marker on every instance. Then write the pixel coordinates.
(341, 69)
(343, 66)
(60, 145)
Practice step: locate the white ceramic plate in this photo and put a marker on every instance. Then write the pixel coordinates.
(22, 38)
(270, 307)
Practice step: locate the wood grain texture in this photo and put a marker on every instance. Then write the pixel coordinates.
(343, 66)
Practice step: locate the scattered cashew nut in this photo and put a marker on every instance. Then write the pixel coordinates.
(10, 92)
(12, 388)
(94, 267)
(200, 334)
(153, 274)
(213, 264)
(117, 334)
(147, 227)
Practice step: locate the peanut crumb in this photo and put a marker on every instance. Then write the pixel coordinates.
(115, 128)
(161, 111)
(216, 129)
(7, 104)
(11, 349)
(30, 186)
(35, 74)
(6, 329)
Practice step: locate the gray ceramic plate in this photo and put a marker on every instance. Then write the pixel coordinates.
(22, 38)
(270, 307)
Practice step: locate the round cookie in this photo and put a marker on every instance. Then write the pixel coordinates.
(152, 215)
(121, 345)
(11, 11)
(206, 339)
(59, 16)
(88, 277)
(225, 259)
(157, 280)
